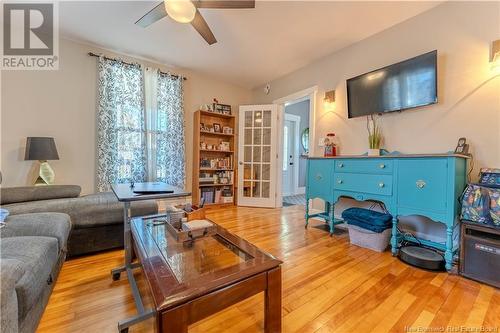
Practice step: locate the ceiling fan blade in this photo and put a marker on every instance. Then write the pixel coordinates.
(203, 29)
(224, 4)
(152, 16)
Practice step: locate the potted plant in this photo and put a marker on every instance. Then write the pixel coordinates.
(374, 136)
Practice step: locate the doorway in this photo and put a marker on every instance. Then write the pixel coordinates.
(295, 150)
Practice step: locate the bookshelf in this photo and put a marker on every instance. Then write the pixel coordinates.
(214, 162)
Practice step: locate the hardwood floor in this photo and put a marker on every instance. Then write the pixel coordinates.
(328, 286)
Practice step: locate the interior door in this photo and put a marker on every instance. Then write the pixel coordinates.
(257, 155)
(288, 157)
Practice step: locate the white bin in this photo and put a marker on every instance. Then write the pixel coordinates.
(369, 239)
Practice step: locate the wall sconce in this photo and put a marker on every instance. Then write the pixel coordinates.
(495, 51)
(329, 100)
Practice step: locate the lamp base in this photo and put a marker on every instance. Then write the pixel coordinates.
(46, 174)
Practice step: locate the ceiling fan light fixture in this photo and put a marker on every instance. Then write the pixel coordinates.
(182, 11)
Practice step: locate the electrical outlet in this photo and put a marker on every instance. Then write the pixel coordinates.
(321, 142)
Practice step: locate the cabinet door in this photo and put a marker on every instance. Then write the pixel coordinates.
(319, 179)
(422, 184)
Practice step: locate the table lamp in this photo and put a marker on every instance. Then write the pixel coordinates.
(42, 149)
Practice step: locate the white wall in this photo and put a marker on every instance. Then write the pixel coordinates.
(62, 104)
(469, 94)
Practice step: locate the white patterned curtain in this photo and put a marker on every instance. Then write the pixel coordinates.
(169, 131)
(121, 136)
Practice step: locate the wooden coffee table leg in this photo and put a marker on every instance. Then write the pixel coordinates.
(174, 321)
(272, 311)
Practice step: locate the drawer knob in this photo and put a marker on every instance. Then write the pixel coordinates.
(381, 184)
(340, 181)
(341, 165)
(420, 184)
(382, 166)
(319, 177)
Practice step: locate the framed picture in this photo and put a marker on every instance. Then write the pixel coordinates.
(227, 130)
(462, 147)
(217, 128)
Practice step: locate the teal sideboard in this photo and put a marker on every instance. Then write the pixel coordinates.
(427, 185)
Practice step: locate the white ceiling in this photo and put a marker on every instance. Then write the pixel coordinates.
(254, 45)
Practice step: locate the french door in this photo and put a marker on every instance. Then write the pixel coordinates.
(257, 155)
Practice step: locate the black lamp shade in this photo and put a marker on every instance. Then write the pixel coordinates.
(40, 148)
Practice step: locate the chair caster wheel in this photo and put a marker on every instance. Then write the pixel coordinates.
(116, 277)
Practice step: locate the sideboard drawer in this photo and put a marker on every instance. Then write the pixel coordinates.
(319, 178)
(364, 165)
(422, 184)
(374, 184)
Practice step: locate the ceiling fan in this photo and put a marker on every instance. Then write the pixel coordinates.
(186, 11)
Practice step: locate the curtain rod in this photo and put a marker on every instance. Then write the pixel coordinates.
(92, 54)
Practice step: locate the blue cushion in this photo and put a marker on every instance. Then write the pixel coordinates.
(367, 219)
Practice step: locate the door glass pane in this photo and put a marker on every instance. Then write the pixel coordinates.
(267, 119)
(256, 154)
(257, 121)
(248, 118)
(256, 172)
(257, 136)
(266, 154)
(247, 171)
(285, 148)
(248, 137)
(248, 155)
(247, 189)
(266, 171)
(265, 190)
(256, 190)
(266, 136)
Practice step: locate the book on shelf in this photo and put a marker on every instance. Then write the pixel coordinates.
(214, 195)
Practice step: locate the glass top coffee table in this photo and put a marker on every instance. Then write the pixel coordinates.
(192, 280)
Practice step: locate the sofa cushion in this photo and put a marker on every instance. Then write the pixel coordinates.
(87, 211)
(57, 225)
(10, 195)
(38, 256)
(103, 208)
(12, 271)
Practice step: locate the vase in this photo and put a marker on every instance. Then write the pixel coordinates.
(374, 152)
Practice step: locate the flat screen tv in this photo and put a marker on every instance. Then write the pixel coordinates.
(408, 84)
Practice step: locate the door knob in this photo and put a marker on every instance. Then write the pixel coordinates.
(319, 177)
(381, 185)
(420, 184)
(340, 181)
(241, 163)
(341, 165)
(382, 166)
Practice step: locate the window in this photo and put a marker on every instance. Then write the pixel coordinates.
(285, 148)
(140, 118)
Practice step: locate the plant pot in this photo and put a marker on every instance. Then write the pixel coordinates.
(374, 152)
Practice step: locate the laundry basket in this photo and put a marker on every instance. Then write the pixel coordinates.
(367, 228)
(376, 241)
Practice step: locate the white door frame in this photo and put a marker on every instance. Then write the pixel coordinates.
(296, 152)
(309, 93)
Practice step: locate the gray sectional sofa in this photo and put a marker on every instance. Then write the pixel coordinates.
(45, 224)
(32, 250)
(97, 219)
